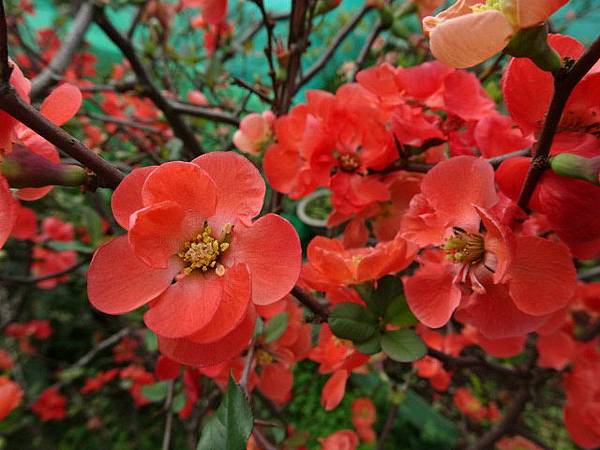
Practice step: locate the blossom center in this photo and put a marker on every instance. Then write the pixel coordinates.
(465, 247)
(203, 252)
(348, 162)
(263, 357)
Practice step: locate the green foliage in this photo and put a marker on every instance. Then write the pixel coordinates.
(230, 426)
(352, 321)
(276, 326)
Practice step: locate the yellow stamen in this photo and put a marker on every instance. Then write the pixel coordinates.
(204, 251)
(465, 247)
(263, 357)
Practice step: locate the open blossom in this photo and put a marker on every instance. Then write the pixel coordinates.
(50, 405)
(10, 396)
(194, 255)
(505, 284)
(255, 132)
(471, 31)
(340, 440)
(330, 265)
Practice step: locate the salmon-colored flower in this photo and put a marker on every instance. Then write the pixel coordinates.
(501, 281)
(340, 440)
(193, 254)
(255, 132)
(471, 31)
(516, 443)
(330, 265)
(10, 396)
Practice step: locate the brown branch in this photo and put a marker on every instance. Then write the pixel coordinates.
(123, 122)
(509, 420)
(388, 426)
(180, 128)
(311, 303)
(337, 41)
(378, 27)
(564, 83)
(166, 443)
(589, 273)
(61, 60)
(252, 89)
(33, 280)
(492, 68)
(472, 361)
(5, 68)
(109, 176)
(204, 112)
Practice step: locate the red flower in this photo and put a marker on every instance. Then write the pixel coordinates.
(582, 409)
(363, 418)
(506, 285)
(340, 440)
(50, 405)
(330, 265)
(516, 443)
(193, 254)
(468, 404)
(10, 396)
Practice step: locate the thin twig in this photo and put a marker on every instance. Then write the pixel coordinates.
(472, 361)
(366, 48)
(589, 273)
(335, 43)
(166, 444)
(33, 280)
(388, 426)
(5, 69)
(180, 128)
(247, 367)
(61, 60)
(204, 112)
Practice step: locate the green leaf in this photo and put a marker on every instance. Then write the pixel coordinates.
(276, 326)
(60, 246)
(371, 345)
(389, 290)
(155, 392)
(230, 426)
(403, 345)
(178, 403)
(352, 321)
(150, 341)
(398, 313)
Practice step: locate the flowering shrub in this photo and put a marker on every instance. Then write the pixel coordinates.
(212, 247)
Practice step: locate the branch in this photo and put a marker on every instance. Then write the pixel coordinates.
(564, 83)
(180, 129)
(123, 122)
(5, 68)
(378, 27)
(337, 41)
(589, 273)
(63, 56)
(109, 176)
(205, 113)
(33, 280)
(509, 420)
(311, 303)
(166, 443)
(472, 361)
(388, 426)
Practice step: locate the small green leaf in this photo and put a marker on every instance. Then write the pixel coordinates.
(155, 392)
(150, 341)
(276, 326)
(389, 289)
(61, 246)
(352, 321)
(403, 345)
(229, 428)
(178, 403)
(371, 345)
(398, 313)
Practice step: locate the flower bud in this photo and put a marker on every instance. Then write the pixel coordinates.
(574, 166)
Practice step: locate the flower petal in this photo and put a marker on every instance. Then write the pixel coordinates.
(185, 351)
(271, 249)
(453, 186)
(233, 307)
(9, 209)
(431, 293)
(183, 183)
(62, 104)
(470, 39)
(118, 282)
(334, 389)
(240, 188)
(127, 197)
(543, 276)
(186, 306)
(159, 231)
